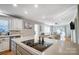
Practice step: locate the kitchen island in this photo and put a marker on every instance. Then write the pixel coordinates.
(58, 47)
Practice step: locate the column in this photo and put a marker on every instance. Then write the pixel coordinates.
(77, 27)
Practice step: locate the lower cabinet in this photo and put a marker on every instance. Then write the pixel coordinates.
(21, 51)
(18, 50)
(13, 47)
(0, 47)
(4, 44)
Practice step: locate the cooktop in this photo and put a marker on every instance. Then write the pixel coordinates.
(38, 46)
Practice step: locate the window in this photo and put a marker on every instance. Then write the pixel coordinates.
(47, 30)
(3, 26)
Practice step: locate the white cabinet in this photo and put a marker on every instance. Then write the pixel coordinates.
(13, 47)
(18, 50)
(0, 46)
(4, 44)
(22, 51)
(16, 24)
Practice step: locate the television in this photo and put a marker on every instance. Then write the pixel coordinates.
(72, 26)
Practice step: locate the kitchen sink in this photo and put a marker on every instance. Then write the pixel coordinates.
(38, 46)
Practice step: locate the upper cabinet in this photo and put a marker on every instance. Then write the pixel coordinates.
(16, 24)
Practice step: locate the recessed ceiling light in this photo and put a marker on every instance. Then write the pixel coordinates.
(0, 11)
(36, 6)
(26, 12)
(15, 5)
(43, 17)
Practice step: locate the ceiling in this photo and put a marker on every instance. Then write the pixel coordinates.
(50, 14)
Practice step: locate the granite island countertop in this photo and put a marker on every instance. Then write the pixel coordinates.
(58, 47)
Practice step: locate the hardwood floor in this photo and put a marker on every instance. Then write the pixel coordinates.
(7, 53)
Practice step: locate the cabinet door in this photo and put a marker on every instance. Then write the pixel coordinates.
(22, 51)
(13, 47)
(4, 44)
(17, 24)
(0, 45)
